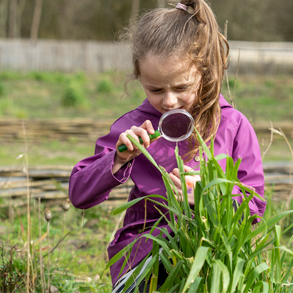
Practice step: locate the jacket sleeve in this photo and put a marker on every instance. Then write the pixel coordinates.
(92, 179)
(250, 172)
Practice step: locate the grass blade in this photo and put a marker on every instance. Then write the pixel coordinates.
(253, 275)
(170, 279)
(199, 261)
(127, 205)
(216, 278)
(238, 272)
(194, 286)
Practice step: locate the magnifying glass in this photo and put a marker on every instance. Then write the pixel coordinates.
(174, 125)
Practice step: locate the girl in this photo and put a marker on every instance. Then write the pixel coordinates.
(179, 56)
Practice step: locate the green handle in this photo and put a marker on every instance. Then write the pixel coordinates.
(123, 147)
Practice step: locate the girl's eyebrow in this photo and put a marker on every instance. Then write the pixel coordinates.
(184, 84)
(176, 85)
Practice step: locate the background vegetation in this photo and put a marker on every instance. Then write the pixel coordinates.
(101, 96)
(250, 20)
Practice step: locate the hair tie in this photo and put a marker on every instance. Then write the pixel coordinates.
(182, 6)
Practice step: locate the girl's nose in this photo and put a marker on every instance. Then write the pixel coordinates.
(170, 100)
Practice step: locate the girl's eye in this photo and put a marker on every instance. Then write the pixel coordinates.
(155, 91)
(182, 88)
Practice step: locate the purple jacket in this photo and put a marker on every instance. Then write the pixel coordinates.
(91, 180)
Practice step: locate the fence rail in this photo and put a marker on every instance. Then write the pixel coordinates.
(51, 183)
(93, 56)
(11, 129)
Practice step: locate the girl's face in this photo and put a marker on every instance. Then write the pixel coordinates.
(168, 83)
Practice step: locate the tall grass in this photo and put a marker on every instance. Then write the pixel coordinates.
(212, 247)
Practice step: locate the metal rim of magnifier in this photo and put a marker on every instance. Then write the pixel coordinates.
(176, 111)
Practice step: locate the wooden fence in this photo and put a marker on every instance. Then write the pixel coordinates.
(86, 129)
(93, 56)
(50, 183)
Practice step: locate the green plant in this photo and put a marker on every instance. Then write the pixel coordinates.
(10, 277)
(104, 86)
(73, 96)
(213, 248)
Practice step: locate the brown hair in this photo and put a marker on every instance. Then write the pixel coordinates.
(195, 33)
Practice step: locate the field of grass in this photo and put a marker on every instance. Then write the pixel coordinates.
(78, 260)
(262, 98)
(48, 95)
(98, 96)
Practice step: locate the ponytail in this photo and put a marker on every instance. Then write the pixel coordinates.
(208, 53)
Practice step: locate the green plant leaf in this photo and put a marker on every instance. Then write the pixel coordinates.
(144, 151)
(272, 221)
(172, 275)
(194, 286)
(180, 165)
(237, 273)
(216, 278)
(225, 275)
(203, 145)
(253, 275)
(120, 254)
(135, 273)
(163, 243)
(146, 271)
(220, 157)
(127, 205)
(199, 261)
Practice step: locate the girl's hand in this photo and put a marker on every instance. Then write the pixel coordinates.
(190, 183)
(132, 151)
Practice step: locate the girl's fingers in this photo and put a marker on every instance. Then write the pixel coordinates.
(187, 168)
(148, 126)
(145, 129)
(138, 133)
(176, 172)
(142, 132)
(175, 180)
(123, 139)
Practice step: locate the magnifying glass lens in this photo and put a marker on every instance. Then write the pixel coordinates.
(176, 125)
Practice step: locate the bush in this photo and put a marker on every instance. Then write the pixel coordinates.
(73, 96)
(10, 75)
(80, 76)
(48, 76)
(104, 86)
(231, 82)
(270, 84)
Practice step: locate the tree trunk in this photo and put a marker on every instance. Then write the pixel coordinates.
(36, 20)
(20, 8)
(3, 18)
(12, 18)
